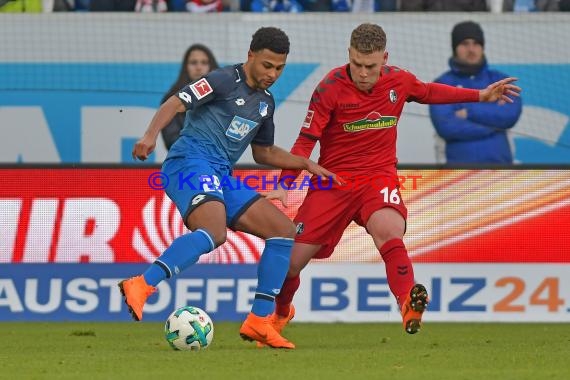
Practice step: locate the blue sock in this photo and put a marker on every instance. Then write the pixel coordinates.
(184, 251)
(271, 273)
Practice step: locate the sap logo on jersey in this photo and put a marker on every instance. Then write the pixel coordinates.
(240, 127)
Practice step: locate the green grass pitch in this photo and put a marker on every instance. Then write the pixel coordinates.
(66, 350)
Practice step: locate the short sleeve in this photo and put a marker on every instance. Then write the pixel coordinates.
(215, 84)
(320, 109)
(266, 133)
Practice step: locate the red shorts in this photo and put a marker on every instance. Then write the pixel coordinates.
(325, 214)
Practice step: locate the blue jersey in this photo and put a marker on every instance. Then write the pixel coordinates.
(223, 116)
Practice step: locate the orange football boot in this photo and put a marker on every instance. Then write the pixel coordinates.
(413, 307)
(278, 322)
(259, 329)
(135, 290)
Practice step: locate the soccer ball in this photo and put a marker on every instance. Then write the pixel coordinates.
(189, 328)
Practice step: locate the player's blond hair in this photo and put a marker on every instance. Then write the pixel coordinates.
(368, 38)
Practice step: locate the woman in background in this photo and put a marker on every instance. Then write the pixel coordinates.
(197, 62)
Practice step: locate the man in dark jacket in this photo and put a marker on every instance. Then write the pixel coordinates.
(473, 132)
(444, 6)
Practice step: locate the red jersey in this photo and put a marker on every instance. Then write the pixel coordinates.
(358, 129)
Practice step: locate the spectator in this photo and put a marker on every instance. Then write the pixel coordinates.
(289, 6)
(70, 5)
(474, 132)
(316, 5)
(444, 5)
(204, 6)
(147, 6)
(61, 6)
(198, 61)
(531, 5)
(112, 5)
(363, 6)
(386, 5)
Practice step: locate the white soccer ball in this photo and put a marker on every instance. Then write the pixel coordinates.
(189, 328)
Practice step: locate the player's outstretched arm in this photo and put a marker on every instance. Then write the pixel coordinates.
(146, 144)
(280, 158)
(500, 91)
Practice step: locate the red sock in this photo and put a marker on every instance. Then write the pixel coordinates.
(399, 270)
(285, 297)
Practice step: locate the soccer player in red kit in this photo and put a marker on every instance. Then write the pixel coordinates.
(354, 113)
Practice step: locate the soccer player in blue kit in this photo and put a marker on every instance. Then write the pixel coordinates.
(227, 110)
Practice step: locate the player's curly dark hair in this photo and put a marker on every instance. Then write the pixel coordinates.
(270, 38)
(368, 38)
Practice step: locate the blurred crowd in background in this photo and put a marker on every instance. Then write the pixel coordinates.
(292, 6)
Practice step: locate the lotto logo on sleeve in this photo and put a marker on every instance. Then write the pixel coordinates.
(308, 119)
(201, 88)
(240, 127)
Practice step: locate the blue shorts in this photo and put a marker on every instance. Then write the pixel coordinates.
(193, 182)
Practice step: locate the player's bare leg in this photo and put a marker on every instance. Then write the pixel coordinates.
(387, 227)
(264, 220)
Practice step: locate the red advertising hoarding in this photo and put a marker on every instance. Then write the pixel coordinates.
(105, 215)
